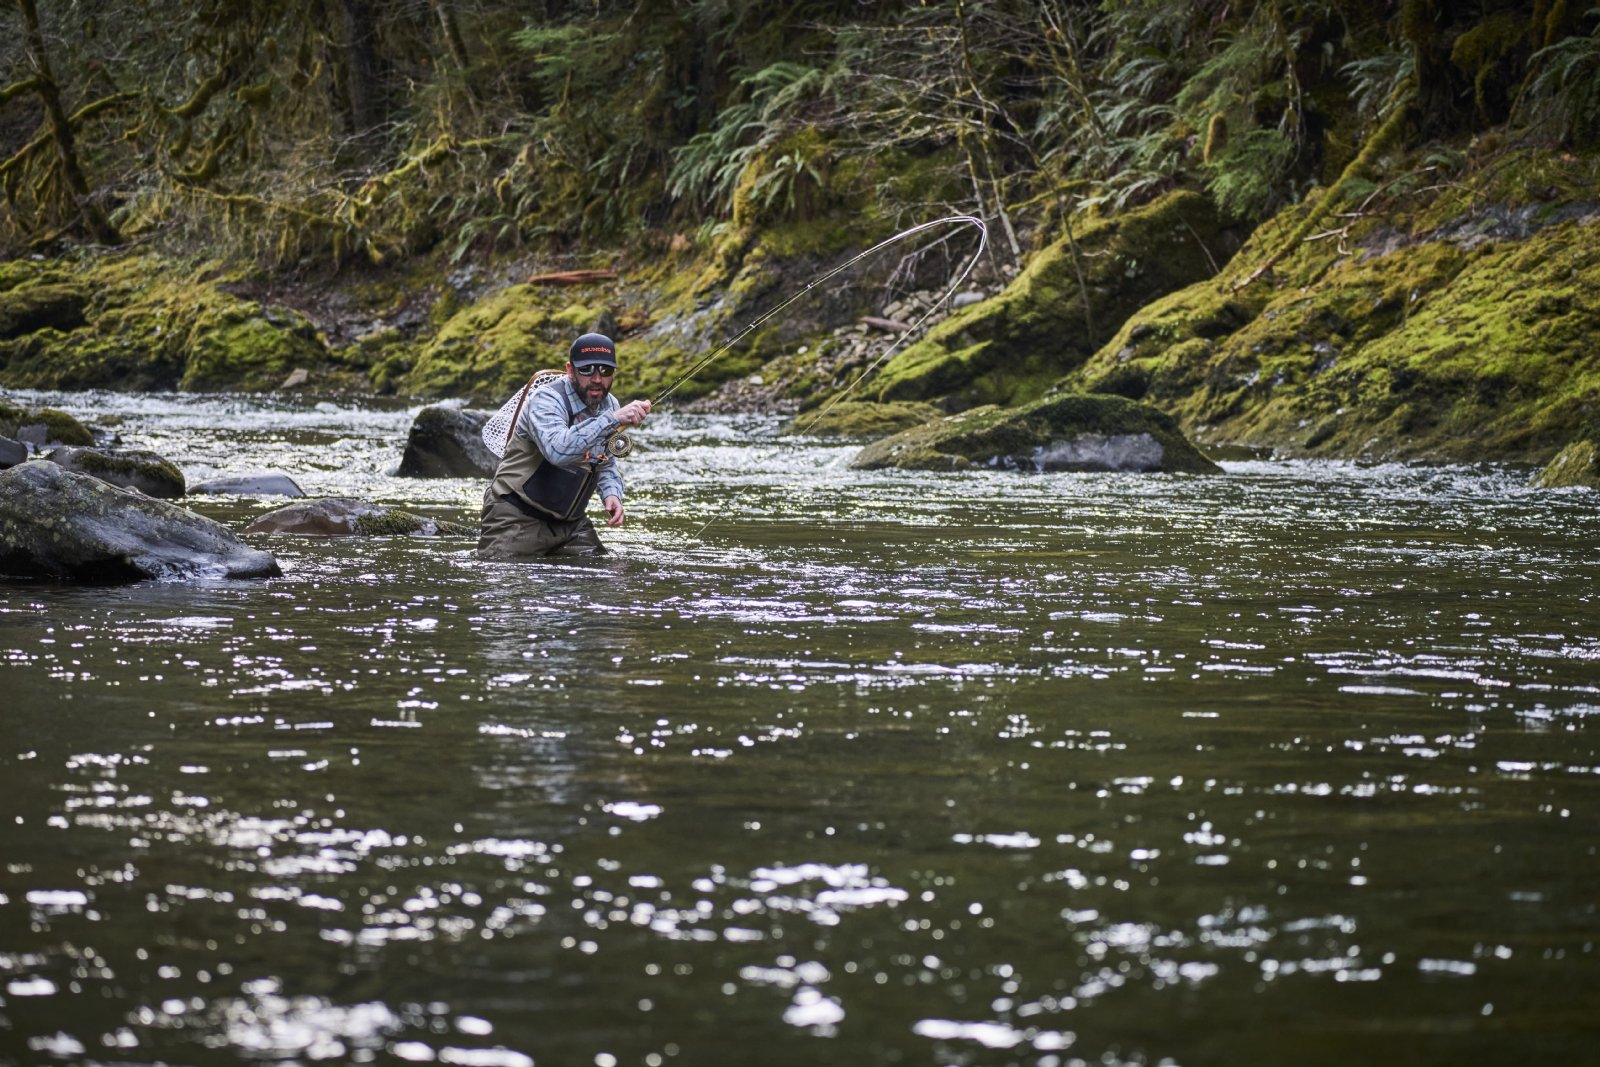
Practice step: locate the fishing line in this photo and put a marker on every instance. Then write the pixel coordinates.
(497, 431)
(983, 241)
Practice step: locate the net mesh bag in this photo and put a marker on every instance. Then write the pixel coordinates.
(497, 431)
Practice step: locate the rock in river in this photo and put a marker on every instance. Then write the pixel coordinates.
(55, 523)
(42, 426)
(129, 468)
(347, 516)
(447, 442)
(251, 483)
(1066, 432)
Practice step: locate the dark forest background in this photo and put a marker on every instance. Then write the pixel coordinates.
(332, 130)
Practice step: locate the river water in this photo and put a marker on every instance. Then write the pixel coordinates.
(1297, 764)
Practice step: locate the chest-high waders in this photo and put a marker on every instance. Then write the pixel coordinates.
(527, 486)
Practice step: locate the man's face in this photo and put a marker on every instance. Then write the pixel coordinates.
(592, 380)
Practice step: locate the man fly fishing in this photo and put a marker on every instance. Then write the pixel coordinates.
(555, 445)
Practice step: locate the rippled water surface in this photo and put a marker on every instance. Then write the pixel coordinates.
(1295, 764)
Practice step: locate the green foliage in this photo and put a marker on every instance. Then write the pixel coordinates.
(1564, 94)
(709, 169)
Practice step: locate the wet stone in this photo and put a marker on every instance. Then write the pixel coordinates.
(12, 452)
(135, 469)
(56, 523)
(447, 442)
(250, 483)
(351, 517)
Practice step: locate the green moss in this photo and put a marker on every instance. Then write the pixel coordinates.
(30, 307)
(1004, 349)
(1577, 465)
(1434, 335)
(863, 420)
(154, 323)
(487, 350)
(391, 522)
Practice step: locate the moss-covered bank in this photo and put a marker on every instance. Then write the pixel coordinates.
(1454, 323)
(139, 321)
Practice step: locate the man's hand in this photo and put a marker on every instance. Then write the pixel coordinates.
(632, 414)
(613, 505)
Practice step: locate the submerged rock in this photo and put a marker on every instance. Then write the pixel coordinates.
(126, 468)
(56, 523)
(251, 483)
(447, 442)
(348, 517)
(1071, 432)
(1577, 465)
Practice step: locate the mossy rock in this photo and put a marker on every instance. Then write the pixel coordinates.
(242, 345)
(352, 517)
(137, 469)
(1017, 343)
(486, 351)
(1069, 431)
(863, 420)
(1470, 340)
(1577, 465)
(55, 523)
(42, 426)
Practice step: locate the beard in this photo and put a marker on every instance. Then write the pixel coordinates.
(592, 392)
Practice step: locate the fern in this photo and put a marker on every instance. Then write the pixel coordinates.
(1248, 177)
(710, 167)
(1564, 96)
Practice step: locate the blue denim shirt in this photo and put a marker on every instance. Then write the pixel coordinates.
(569, 435)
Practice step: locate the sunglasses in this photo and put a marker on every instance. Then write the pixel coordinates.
(591, 370)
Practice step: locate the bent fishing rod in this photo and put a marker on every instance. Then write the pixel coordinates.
(620, 443)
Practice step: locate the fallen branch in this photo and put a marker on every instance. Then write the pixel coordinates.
(572, 277)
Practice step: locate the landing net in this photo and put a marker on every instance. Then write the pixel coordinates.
(497, 431)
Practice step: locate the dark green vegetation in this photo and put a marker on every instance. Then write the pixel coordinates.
(1336, 227)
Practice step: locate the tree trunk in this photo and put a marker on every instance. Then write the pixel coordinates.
(76, 187)
(363, 80)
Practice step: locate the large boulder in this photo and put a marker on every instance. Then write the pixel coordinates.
(130, 468)
(250, 483)
(55, 523)
(1069, 432)
(1069, 298)
(347, 517)
(447, 442)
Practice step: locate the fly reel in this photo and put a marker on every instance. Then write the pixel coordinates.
(618, 445)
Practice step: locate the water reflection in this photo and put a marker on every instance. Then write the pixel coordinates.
(1292, 764)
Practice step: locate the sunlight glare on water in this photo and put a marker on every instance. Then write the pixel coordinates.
(1293, 764)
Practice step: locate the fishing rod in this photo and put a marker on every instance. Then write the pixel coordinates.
(620, 443)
